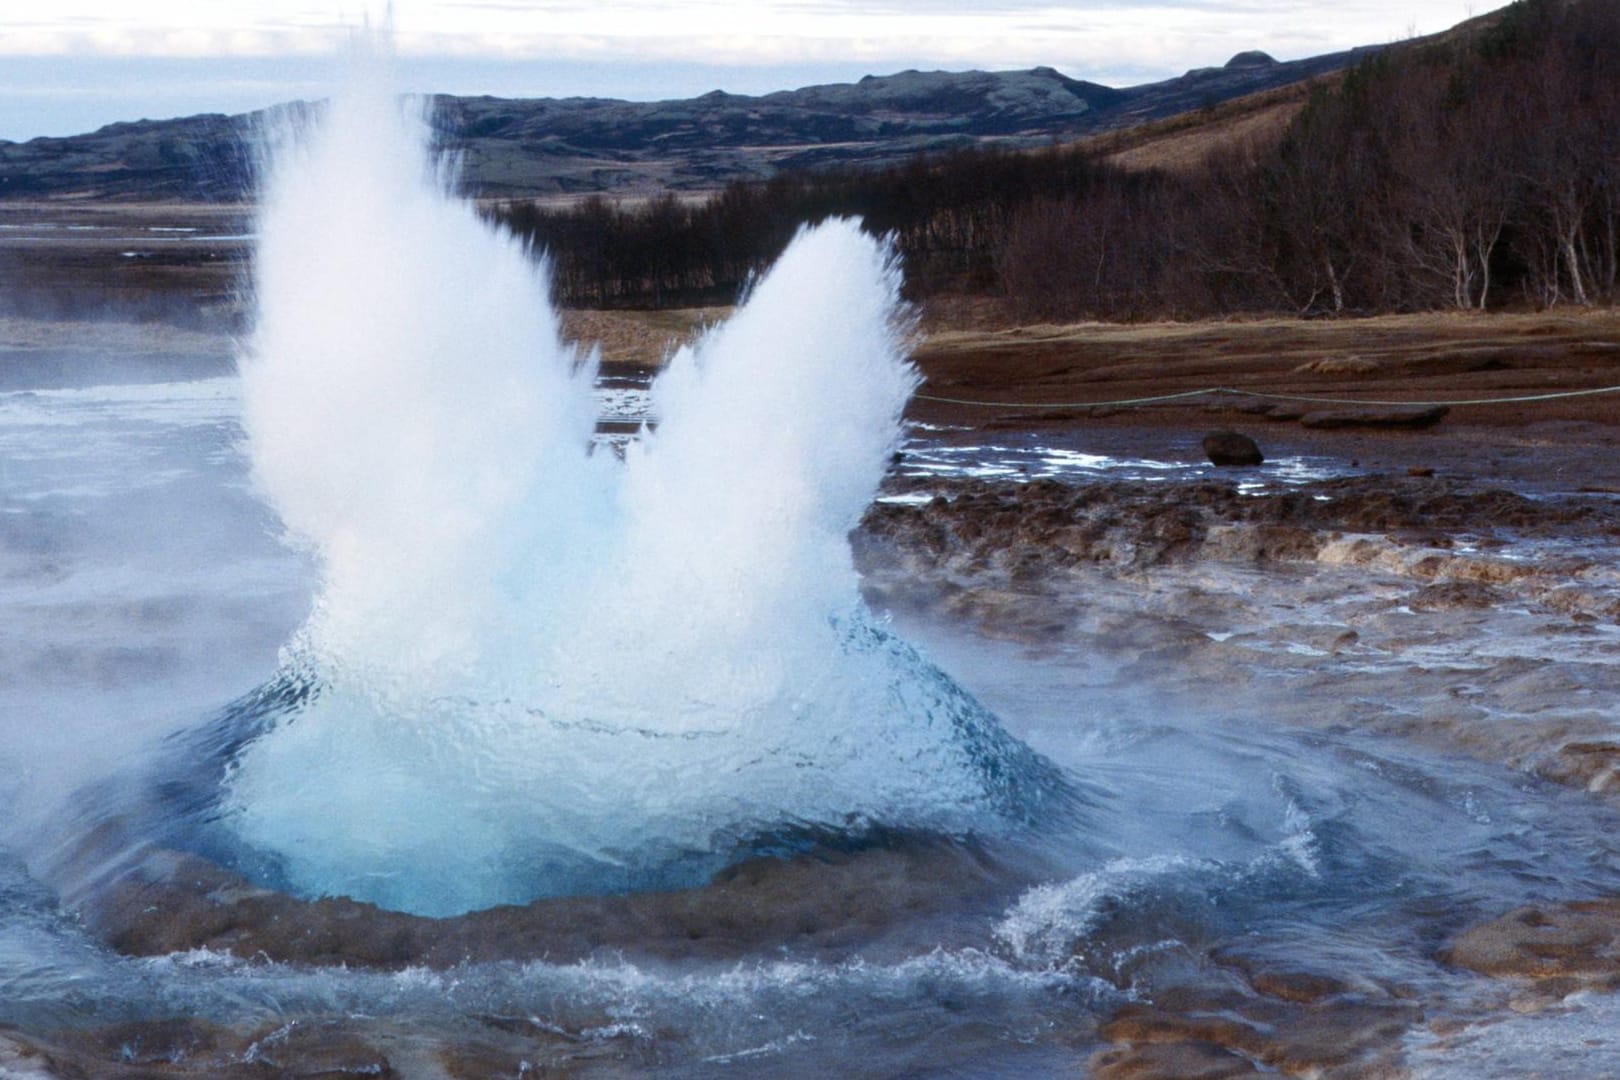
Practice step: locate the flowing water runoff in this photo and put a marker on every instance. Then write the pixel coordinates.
(403, 631)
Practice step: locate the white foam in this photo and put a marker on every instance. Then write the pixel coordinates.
(545, 669)
(1043, 926)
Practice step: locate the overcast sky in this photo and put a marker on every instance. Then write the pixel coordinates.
(68, 66)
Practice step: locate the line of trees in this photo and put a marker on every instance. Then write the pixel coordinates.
(1483, 170)
(1480, 171)
(1477, 172)
(950, 215)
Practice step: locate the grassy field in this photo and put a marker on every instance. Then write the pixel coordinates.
(966, 352)
(1407, 358)
(1182, 143)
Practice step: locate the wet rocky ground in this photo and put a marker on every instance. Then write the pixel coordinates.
(1456, 613)
(1350, 595)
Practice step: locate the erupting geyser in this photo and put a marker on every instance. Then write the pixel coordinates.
(533, 669)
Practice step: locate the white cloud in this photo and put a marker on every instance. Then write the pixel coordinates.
(989, 33)
(636, 48)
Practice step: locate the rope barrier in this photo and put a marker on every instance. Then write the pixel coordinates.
(1234, 392)
(1071, 405)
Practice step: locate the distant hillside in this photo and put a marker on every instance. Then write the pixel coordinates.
(1182, 142)
(1470, 170)
(522, 148)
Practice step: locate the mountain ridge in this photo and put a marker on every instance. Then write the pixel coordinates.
(538, 147)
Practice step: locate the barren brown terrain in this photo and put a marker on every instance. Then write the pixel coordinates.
(1291, 377)
(1294, 376)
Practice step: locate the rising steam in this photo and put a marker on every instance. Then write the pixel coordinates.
(539, 669)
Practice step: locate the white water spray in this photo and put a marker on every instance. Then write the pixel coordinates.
(540, 669)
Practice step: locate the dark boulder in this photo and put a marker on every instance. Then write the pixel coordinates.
(1226, 448)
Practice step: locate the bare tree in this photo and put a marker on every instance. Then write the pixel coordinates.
(1456, 192)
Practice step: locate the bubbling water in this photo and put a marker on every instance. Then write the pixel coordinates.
(533, 669)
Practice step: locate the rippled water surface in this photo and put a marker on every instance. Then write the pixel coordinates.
(144, 585)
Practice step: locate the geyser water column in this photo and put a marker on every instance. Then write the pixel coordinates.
(534, 669)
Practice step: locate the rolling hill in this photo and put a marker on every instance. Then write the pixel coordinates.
(524, 148)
